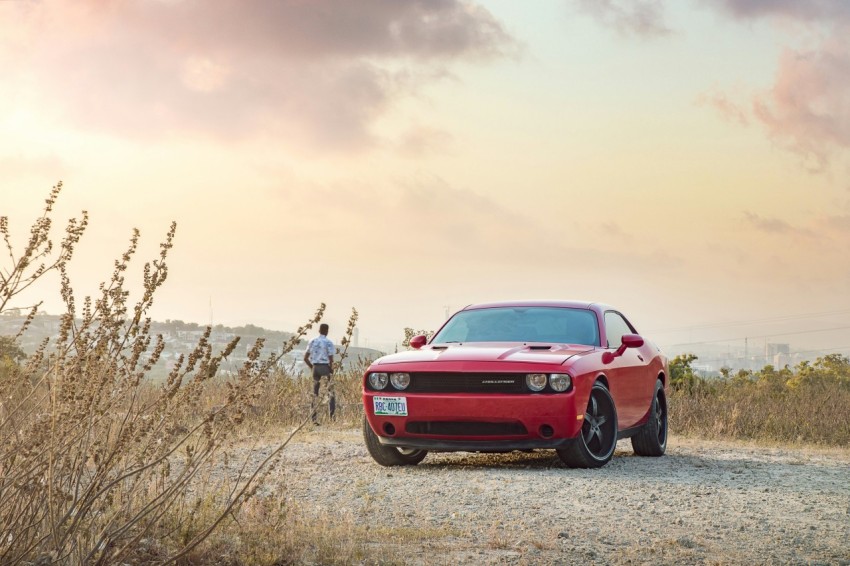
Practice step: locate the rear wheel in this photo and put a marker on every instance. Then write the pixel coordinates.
(595, 445)
(652, 438)
(390, 455)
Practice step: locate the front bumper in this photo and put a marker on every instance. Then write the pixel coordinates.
(544, 420)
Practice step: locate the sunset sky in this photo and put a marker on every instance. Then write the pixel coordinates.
(688, 162)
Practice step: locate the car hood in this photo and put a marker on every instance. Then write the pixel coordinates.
(488, 352)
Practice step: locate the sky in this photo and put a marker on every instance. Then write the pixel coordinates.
(687, 162)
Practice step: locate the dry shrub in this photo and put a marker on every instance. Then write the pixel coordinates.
(99, 465)
(809, 404)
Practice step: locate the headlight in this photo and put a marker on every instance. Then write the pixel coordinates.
(400, 380)
(536, 381)
(378, 380)
(560, 381)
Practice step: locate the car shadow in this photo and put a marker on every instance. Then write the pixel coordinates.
(732, 469)
(502, 460)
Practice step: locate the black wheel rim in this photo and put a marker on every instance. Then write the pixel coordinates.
(597, 431)
(661, 418)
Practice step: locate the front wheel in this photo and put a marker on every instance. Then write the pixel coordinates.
(390, 455)
(595, 444)
(652, 438)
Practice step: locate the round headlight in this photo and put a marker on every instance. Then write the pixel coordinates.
(560, 381)
(400, 380)
(536, 381)
(378, 380)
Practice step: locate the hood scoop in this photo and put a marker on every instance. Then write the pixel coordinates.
(538, 348)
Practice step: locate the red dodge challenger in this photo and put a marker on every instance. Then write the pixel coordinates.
(570, 376)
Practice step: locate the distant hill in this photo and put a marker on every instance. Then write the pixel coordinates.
(181, 338)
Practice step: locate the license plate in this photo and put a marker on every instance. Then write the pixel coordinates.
(392, 406)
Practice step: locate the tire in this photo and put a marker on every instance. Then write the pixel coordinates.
(390, 455)
(595, 444)
(652, 438)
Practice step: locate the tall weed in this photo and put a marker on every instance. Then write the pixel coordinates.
(99, 465)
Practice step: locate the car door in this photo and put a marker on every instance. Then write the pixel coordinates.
(627, 374)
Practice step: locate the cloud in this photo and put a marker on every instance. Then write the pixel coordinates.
(322, 29)
(839, 222)
(641, 18)
(728, 110)
(808, 107)
(774, 225)
(319, 72)
(204, 75)
(799, 10)
(431, 226)
(426, 217)
(613, 230)
(423, 139)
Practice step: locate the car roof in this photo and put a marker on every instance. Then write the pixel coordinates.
(553, 304)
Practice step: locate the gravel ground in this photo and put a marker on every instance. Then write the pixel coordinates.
(704, 502)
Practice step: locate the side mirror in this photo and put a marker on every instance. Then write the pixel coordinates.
(629, 341)
(632, 341)
(418, 341)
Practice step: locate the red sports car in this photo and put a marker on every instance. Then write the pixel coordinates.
(570, 376)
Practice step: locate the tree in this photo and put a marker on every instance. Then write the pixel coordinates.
(682, 375)
(830, 368)
(10, 350)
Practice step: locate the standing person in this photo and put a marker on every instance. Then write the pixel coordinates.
(320, 358)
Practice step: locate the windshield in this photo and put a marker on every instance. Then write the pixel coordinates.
(521, 324)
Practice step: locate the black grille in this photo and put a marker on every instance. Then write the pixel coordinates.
(450, 428)
(467, 383)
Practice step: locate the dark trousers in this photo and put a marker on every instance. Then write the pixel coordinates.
(320, 371)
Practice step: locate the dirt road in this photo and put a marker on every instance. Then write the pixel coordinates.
(704, 502)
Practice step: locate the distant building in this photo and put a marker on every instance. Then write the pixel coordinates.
(781, 360)
(778, 355)
(771, 349)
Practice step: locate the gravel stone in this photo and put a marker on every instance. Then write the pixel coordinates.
(720, 502)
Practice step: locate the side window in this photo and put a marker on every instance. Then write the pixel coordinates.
(615, 327)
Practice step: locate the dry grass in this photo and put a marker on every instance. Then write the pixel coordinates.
(809, 404)
(99, 465)
(273, 531)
